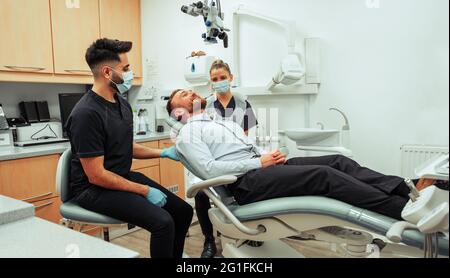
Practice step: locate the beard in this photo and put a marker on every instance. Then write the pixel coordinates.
(113, 87)
(117, 80)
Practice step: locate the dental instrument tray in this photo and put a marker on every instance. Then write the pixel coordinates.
(436, 168)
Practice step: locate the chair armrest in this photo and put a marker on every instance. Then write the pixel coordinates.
(220, 181)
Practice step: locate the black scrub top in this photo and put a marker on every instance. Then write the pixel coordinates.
(249, 120)
(97, 127)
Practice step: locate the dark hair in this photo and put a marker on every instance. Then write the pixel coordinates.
(106, 50)
(169, 103)
(219, 64)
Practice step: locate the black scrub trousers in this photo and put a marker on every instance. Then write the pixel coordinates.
(336, 177)
(97, 128)
(202, 202)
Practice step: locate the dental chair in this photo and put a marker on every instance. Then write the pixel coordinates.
(256, 230)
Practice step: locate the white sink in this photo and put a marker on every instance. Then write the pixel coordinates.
(314, 137)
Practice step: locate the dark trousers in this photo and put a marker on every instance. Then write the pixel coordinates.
(202, 206)
(336, 177)
(168, 225)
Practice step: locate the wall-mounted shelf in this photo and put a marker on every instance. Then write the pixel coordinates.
(305, 89)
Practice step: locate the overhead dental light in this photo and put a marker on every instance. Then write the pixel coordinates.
(291, 71)
(213, 17)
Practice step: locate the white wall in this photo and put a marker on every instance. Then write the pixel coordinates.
(11, 94)
(386, 67)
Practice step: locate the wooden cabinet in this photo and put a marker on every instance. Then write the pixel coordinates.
(48, 209)
(172, 173)
(45, 41)
(150, 172)
(29, 179)
(166, 172)
(26, 44)
(149, 167)
(121, 19)
(74, 29)
(33, 180)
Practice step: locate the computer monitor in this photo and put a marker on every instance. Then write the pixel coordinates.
(66, 104)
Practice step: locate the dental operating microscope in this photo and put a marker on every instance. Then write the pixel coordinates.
(213, 19)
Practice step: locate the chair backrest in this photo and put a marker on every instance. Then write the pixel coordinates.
(63, 176)
(225, 195)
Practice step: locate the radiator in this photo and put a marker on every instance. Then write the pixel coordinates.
(414, 156)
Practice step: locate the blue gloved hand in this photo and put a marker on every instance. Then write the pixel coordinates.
(170, 153)
(156, 197)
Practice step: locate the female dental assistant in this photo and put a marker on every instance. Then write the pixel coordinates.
(223, 105)
(226, 105)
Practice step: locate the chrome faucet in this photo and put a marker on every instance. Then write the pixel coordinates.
(322, 126)
(347, 123)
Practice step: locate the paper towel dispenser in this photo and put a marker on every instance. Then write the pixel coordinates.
(196, 70)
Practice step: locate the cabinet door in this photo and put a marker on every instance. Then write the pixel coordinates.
(121, 20)
(146, 163)
(172, 173)
(48, 209)
(26, 44)
(74, 30)
(29, 179)
(150, 172)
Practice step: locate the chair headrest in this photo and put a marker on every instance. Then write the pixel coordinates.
(175, 125)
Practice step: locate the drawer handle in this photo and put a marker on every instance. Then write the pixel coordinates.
(25, 68)
(36, 197)
(78, 71)
(44, 205)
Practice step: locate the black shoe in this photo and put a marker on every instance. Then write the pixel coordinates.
(209, 249)
(254, 243)
(380, 243)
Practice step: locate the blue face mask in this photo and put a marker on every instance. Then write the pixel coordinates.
(127, 83)
(221, 87)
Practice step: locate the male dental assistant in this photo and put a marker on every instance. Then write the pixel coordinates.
(101, 135)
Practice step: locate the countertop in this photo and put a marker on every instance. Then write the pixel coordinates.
(24, 236)
(36, 238)
(11, 210)
(12, 153)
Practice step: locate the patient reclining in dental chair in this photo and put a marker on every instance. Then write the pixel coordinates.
(216, 148)
(211, 149)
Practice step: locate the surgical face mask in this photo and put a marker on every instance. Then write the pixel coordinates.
(221, 87)
(127, 83)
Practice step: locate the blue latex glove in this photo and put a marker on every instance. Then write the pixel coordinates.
(156, 197)
(170, 153)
